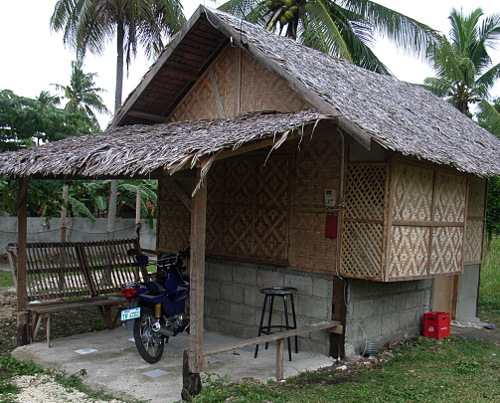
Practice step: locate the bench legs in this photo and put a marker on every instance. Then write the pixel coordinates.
(37, 321)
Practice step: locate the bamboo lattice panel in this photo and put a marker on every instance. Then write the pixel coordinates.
(202, 101)
(365, 191)
(361, 255)
(261, 89)
(412, 196)
(409, 252)
(446, 250)
(449, 197)
(474, 241)
(476, 211)
(477, 196)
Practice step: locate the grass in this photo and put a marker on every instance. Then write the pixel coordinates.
(489, 288)
(6, 279)
(425, 370)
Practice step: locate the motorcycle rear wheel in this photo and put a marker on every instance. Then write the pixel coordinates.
(149, 344)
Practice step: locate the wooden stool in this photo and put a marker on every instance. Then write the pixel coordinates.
(286, 293)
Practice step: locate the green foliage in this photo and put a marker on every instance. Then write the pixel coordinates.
(465, 73)
(89, 25)
(82, 95)
(493, 212)
(343, 29)
(218, 389)
(489, 116)
(27, 122)
(489, 288)
(425, 370)
(6, 279)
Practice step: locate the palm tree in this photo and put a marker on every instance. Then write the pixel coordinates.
(89, 24)
(341, 28)
(82, 94)
(465, 74)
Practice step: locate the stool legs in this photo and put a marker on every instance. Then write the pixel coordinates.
(266, 329)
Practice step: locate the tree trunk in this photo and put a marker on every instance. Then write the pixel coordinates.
(118, 101)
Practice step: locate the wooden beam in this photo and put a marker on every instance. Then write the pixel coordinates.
(179, 192)
(148, 116)
(194, 364)
(22, 260)
(180, 74)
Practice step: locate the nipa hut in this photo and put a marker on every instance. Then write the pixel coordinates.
(291, 168)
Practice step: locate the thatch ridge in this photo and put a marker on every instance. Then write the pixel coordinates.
(139, 150)
(397, 115)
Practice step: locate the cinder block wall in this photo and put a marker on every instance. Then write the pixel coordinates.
(379, 313)
(233, 303)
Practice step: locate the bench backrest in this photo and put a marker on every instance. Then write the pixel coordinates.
(69, 270)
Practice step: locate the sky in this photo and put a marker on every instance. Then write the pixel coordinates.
(32, 57)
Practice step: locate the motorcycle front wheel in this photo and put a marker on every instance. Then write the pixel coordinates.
(149, 343)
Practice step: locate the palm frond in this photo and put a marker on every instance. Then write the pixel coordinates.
(490, 117)
(408, 34)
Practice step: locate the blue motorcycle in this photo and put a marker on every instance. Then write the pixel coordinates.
(160, 307)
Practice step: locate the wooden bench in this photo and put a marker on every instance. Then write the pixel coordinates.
(331, 326)
(70, 275)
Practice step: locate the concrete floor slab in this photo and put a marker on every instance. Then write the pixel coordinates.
(117, 368)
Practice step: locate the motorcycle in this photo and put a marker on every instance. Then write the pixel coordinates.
(160, 307)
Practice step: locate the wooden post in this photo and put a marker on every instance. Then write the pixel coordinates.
(193, 362)
(64, 223)
(22, 259)
(280, 349)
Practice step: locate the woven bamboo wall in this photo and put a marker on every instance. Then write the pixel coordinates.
(426, 223)
(476, 212)
(271, 213)
(364, 215)
(236, 83)
(317, 167)
(174, 219)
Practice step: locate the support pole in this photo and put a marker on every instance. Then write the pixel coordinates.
(193, 359)
(22, 259)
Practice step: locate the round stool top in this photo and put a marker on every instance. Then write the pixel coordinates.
(279, 290)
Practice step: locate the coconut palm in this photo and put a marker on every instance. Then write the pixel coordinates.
(89, 24)
(82, 94)
(464, 70)
(341, 28)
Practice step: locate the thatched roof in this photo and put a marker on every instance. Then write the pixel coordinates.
(142, 150)
(368, 106)
(397, 115)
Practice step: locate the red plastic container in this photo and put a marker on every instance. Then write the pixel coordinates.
(436, 324)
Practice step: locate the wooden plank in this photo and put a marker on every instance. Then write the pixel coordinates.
(76, 304)
(197, 275)
(328, 325)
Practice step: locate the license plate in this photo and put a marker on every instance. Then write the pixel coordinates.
(129, 314)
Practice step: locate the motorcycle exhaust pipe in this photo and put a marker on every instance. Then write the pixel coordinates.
(162, 329)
